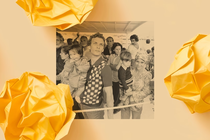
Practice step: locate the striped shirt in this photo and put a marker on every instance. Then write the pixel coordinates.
(125, 77)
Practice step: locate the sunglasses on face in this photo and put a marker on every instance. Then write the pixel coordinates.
(126, 60)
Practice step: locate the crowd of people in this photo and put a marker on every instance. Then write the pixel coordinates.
(102, 73)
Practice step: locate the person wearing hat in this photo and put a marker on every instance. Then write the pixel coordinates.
(140, 87)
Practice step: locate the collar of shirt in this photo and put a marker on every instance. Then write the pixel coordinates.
(97, 62)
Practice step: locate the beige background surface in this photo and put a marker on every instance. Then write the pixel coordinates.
(24, 47)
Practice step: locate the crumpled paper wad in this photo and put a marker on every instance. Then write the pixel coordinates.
(189, 76)
(32, 107)
(61, 14)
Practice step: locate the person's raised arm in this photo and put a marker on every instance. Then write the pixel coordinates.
(83, 65)
(118, 65)
(76, 38)
(115, 67)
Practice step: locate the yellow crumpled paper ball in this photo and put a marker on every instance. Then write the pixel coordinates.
(61, 14)
(189, 76)
(32, 107)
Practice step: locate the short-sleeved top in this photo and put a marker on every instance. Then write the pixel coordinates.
(98, 76)
(133, 50)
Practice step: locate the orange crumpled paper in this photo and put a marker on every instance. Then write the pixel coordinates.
(61, 14)
(34, 108)
(189, 76)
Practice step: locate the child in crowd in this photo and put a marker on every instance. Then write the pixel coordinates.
(64, 74)
(125, 78)
(74, 72)
(78, 67)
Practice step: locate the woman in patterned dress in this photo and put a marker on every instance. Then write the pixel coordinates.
(140, 87)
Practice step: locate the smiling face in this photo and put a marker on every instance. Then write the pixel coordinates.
(97, 46)
(74, 55)
(140, 64)
(117, 50)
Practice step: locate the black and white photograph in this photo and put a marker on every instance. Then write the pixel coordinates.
(109, 67)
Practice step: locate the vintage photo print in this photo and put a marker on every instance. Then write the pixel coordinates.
(109, 67)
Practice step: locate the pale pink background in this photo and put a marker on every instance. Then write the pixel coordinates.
(24, 47)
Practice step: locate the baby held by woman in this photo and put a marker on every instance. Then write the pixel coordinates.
(75, 69)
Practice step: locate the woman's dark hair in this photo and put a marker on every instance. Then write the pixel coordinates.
(60, 36)
(78, 48)
(114, 46)
(94, 36)
(66, 49)
(134, 37)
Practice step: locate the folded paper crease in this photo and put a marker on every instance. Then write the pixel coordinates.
(61, 14)
(33, 107)
(188, 78)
